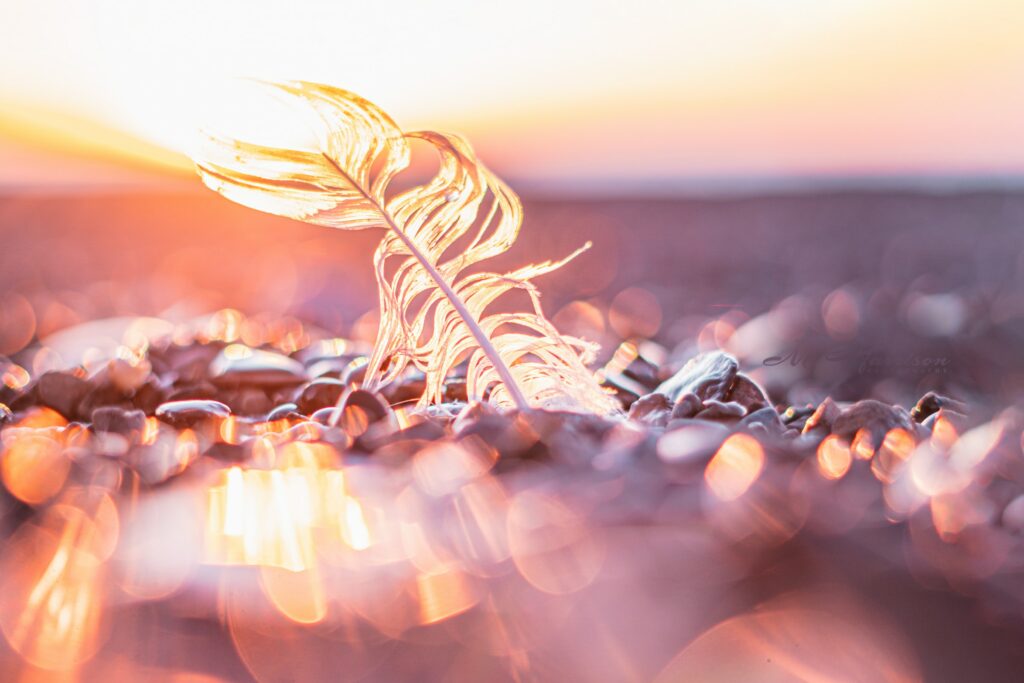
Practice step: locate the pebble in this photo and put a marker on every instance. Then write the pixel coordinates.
(148, 396)
(822, 418)
(455, 390)
(128, 377)
(188, 364)
(425, 431)
(709, 375)
(322, 392)
(116, 420)
(285, 411)
(238, 365)
(625, 389)
(688, 405)
(328, 366)
(643, 372)
(510, 435)
(227, 452)
(408, 389)
(5, 414)
(192, 391)
(308, 431)
(368, 402)
(246, 400)
(102, 393)
(796, 416)
(468, 415)
(653, 409)
(876, 417)
(62, 391)
(361, 410)
(930, 403)
(181, 414)
(748, 393)
(721, 411)
(766, 417)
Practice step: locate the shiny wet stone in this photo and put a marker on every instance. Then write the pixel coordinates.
(182, 414)
(238, 365)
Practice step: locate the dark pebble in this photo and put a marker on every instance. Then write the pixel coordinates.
(103, 394)
(930, 403)
(625, 389)
(189, 364)
(118, 421)
(148, 396)
(748, 393)
(643, 372)
(322, 392)
(227, 452)
(876, 417)
(62, 391)
(796, 415)
(359, 403)
(455, 390)
(408, 389)
(181, 414)
(510, 435)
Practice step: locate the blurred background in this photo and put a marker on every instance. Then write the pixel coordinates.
(829, 182)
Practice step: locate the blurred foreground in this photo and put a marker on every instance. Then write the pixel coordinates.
(229, 542)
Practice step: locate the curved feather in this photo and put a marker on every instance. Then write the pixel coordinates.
(434, 315)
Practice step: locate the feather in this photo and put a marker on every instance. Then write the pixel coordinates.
(433, 313)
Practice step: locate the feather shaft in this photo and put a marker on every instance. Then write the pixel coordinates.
(457, 303)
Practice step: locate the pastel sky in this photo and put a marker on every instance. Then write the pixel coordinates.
(570, 93)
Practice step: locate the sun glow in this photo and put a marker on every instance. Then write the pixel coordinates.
(666, 90)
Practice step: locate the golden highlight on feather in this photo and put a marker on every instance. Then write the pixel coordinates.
(434, 314)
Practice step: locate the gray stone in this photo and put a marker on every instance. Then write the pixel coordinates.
(687, 405)
(721, 411)
(652, 409)
(709, 375)
(188, 413)
(237, 365)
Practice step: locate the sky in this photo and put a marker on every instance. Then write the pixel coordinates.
(578, 94)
